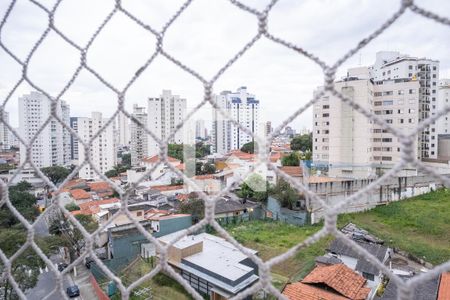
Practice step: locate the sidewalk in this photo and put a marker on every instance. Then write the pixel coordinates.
(82, 280)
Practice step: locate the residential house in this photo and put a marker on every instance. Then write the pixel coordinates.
(341, 250)
(427, 290)
(80, 196)
(335, 282)
(160, 167)
(229, 210)
(211, 265)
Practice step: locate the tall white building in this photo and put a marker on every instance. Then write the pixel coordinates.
(49, 149)
(164, 114)
(4, 132)
(443, 123)
(123, 130)
(103, 153)
(354, 146)
(243, 108)
(200, 130)
(391, 65)
(139, 140)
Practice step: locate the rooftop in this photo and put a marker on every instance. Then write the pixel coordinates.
(301, 291)
(218, 255)
(155, 158)
(340, 278)
(99, 186)
(79, 194)
(294, 171)
(338, 246)
(444, 287)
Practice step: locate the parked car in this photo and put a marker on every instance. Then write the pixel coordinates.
(73, 291)
(62, 266)
(88, 262)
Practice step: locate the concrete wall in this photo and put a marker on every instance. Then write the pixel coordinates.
(393, 189)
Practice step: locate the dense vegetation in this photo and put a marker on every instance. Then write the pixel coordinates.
(56, 174)
(13, 235)
(420, 225)
(248, 148)
(302, 143)
(271, 239)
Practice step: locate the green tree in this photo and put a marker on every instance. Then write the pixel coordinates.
(23, 201)
(204, 168)
(56, 174)
(284, 193)
(248, 148)
(293, 159)
(202, 150)
(254, 187)
(126, 159)
(175, 151)
(195, 207)
(72, 206)
(111, 173)
(302, 143)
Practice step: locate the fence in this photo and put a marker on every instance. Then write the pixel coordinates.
(98, 290)
(405, 289)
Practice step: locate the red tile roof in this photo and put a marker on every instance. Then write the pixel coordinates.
(301, 291)
(162, 188)
(275, 156)
(93, 207)
(444, 287)
(79, 194)
(242, 155)
(294, 171)
(156, 158)
(182, 197)
(340, 278)
(100, 186)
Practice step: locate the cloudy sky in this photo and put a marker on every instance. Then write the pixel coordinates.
(205, 37)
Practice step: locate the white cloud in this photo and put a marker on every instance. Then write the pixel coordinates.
(205, 37)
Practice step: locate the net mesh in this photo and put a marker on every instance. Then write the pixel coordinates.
(405, 288)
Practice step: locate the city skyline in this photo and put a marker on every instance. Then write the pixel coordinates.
(289, 78)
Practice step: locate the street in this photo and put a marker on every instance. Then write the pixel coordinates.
(47, 279)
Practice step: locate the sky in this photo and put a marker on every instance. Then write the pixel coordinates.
(204, 37)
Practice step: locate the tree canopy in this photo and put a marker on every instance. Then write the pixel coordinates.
(13, 235)
(284, 193)
(254, 187)
(248, 148)
(302, 143)
(293, 159)
(56, 174)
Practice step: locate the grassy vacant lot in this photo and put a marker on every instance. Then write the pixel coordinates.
(420, 225)
(274, 238)
(162, 287)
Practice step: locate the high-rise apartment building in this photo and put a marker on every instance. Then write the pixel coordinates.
(139, 140)
(74, 140)
(349, 143)
(4, 132)
(49, 149)
(443, 123)
(200, 130)
(391, 65)
(268, 128)
(123, 130)
(103, 152)
(243, 108)
(164, 115)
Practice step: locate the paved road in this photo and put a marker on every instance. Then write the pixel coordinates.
(46, 284)
(47, 279)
